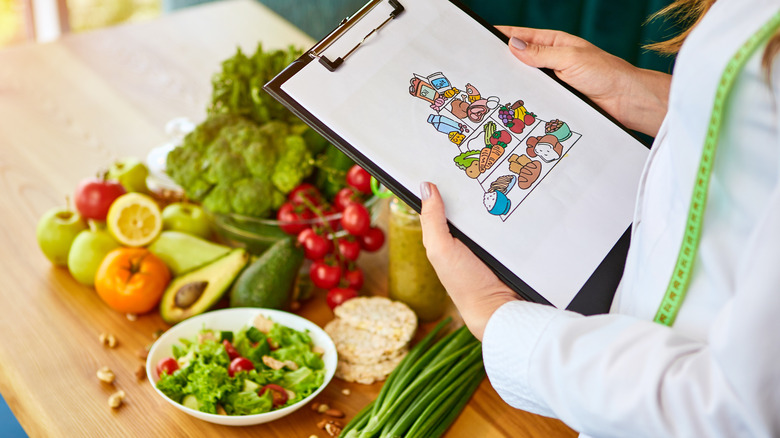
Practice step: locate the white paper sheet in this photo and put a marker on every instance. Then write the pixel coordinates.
(560, 201)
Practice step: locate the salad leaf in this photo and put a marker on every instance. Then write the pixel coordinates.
(248, 403)
(285, 336)
(300, 354)
(302, 381)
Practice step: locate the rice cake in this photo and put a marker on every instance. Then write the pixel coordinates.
(367, 373)
(381, 316)
(360, 346)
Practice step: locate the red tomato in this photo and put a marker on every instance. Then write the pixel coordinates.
(356, 219)
(338, 295)
(349, 248)
(358, 178)
(354, 278)
(277, 392)
(315, 246)
(290, 217)
(325, 275)
(230, 349)
(167, 365)
(240, 364)
(373, 239)
(94, 196)
(344, 197)
(304, 193)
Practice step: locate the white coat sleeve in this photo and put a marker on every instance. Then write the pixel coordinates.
(615, 375)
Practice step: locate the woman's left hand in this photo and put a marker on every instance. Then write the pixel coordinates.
(474, 288)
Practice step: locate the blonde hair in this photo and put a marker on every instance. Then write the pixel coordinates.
(689, 13)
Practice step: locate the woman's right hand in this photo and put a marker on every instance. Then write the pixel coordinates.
(635, 97)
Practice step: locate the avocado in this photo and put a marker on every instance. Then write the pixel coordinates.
(268, 281)
(195, 292)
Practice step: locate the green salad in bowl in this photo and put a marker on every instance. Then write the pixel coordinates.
(241, 366)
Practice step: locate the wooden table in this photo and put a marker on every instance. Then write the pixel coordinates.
(68, 109)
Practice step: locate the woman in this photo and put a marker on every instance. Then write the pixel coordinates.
(712, 372)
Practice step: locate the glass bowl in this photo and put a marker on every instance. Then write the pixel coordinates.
(257, 234)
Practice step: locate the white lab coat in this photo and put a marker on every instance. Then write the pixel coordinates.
(716, 373)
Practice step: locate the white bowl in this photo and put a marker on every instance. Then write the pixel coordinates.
(234, 319)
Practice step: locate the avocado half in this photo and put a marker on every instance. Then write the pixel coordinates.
(197, 291)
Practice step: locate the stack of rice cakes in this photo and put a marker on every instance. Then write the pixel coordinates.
(372, 335)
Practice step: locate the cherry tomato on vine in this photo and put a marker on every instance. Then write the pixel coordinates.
(304, 193)
(354, 278)
(344, 197)
(240, 364)
(325, 274)
(230, 349)
(349, 247)
(315, 246)
(356, 219)
(278, 394)
(290, 217)
(167, 365)
(373, 239)
(337, 296)
(358, 178)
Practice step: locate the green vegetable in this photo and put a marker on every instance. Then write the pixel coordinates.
(427, 390)
(203, 381)
(268, 282)
(332, 171)
(465, 159)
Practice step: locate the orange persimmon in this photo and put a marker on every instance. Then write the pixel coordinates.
(132, 280)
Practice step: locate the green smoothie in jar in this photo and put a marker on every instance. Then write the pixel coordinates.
(412, 278)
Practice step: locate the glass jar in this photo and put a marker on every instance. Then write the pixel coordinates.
(412, 279)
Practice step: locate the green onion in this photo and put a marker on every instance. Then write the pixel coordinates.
(427, 390)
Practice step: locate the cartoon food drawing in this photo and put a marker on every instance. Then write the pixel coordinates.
(475, 111)
(477, 161)
(516, 117)
(495, 200)
(473, 93)
(446, 125)
(527, 170)
(558, 128)
(546, 147)
(456, 137)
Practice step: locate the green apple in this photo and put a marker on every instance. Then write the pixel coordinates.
(87, 252)
(131, 173)
(56, 231)
(186, 218)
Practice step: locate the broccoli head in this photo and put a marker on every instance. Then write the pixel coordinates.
(295, 163)
(224, 165)
(252, 197)
(218, 199)
(184, 164)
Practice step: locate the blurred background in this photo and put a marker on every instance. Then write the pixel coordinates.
(617, 26)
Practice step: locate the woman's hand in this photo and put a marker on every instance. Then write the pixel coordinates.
(474, 288)
(635, 97)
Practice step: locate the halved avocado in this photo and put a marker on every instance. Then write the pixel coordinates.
(195, 292)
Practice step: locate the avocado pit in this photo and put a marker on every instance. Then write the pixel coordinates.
(189, 293)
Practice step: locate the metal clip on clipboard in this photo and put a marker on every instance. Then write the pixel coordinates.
(319, 50)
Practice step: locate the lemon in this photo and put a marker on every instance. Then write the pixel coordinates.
(134, 219)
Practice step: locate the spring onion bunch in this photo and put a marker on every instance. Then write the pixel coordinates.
(427, 391)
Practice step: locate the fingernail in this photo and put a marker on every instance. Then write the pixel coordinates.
(425, 190)
(517, 43)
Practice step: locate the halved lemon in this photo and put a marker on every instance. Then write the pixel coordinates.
(134, 219)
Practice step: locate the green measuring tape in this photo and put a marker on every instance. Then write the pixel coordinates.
(681, 277)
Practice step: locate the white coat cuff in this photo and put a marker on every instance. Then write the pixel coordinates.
(508, 343)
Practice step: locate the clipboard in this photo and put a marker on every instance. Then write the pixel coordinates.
(344, 58)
